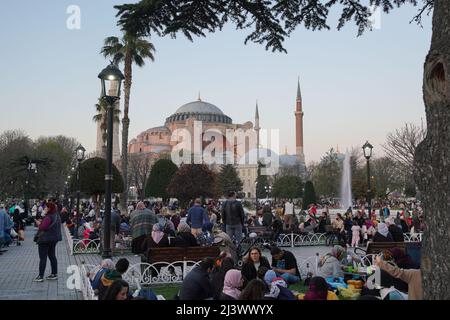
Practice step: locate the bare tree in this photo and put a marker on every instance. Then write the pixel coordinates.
(139, 170)
(401, 144)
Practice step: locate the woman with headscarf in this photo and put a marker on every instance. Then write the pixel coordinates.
(382, 234)
(184, 236)
(157, 239)
(330, 264)
(231, 285)
(96, 274)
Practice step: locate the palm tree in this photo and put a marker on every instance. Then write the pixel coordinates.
(101, 108)
(130, 49)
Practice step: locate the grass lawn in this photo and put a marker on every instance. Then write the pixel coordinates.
(167, 291)
(298, 287)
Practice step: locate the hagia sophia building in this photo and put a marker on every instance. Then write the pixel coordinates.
(212, 127)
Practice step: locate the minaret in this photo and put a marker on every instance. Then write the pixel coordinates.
(299, 126)
(257, 129)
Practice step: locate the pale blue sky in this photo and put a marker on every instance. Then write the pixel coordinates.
(354, 89)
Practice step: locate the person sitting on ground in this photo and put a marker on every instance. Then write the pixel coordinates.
(196, 284)
(96, 273)
(277, 288)
(397, 258)
(157, 239)
(218, 276)
(413, 277)
(382, 234)
(330, 264)
(110, 276)
(252, 263)
(255, 290)
(231, 285)
(118, 290)
(224, 241)
(184, 236)
(318, 290)
(285, 265)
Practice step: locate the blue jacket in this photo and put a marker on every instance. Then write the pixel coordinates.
(197, 217)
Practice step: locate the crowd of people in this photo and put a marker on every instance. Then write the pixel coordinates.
(157, 224)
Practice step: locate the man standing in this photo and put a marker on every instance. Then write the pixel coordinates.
(233, 217)
(197, 217)
(141, 223)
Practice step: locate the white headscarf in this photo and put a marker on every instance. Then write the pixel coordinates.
(383, 229)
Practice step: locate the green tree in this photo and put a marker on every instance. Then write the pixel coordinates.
(92, 180)
(289, 187)
(130, 49)
(273, 21)
(228, 180)
(192, 181)
(327, 175)
(309, 195)
(161, 174)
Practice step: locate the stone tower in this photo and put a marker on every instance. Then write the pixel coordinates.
(299, 126)
(257, 129)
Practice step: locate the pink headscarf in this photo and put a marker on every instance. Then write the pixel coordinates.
(233, 280)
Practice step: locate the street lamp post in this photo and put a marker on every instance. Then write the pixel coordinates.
(111, 79)
(31, 166)
(80, 151)
(268, 191)
(367, 148)
(256, 196)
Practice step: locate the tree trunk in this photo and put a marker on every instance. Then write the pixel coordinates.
(432, 159)
(125, 127)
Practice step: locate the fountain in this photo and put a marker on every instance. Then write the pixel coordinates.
(346, 183)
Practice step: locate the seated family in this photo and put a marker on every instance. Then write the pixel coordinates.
(221, 280)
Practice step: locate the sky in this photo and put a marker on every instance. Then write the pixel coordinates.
(353, 88)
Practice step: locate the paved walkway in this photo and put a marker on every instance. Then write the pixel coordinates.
(20, 265)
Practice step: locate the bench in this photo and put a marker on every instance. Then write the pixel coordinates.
(174, 254)
(413, 249)
(259, 230)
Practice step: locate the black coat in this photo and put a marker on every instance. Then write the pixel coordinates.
(249, 271)
(397, 233)
(233, 213)
(185, 239)
(196, 285)
(378, 237)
